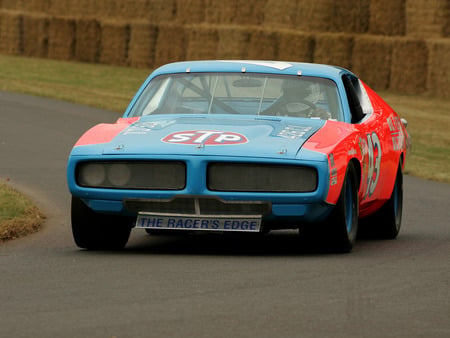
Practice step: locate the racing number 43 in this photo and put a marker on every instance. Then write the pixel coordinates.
(374, 153)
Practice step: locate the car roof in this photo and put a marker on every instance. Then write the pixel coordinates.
(252, 66)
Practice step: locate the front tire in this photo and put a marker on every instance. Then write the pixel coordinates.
(341, 225)
(95, 231)
(338, 232)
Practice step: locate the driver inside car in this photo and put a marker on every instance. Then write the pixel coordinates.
(296, 101)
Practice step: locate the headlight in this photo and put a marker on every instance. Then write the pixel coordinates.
(93, 174)
(151, 175)
(119, 174)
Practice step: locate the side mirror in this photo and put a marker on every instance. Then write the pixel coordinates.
(404, 122)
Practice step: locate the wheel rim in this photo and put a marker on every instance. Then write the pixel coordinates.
(349, 206)
(398, 203)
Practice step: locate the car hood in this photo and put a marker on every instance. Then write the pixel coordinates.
(261, 136)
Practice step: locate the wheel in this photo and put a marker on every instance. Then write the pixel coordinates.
(341, 225)
(386, 222)
(95, 231)
(338, 232)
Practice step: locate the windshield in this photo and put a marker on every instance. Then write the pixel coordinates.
(232, 93)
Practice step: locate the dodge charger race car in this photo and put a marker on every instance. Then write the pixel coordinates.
(242, 146)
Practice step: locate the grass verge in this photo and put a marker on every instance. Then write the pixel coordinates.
(112, 88)
(18, 216)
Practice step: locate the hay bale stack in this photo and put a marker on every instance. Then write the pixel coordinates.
(315, 15)
(202, 43)
(220, 12)
(161, 11)
(170, 44)
(190, 11)
(61, 38)
(233, 43)
(263, 45)
(351, 16)
(295, 46)
(114, 43)
(409, 66)
(31, 6)
(387, 17)
(10, 32)
(280, 13)
(371, 60)
(334, 48)
(249, 12)
(143, 37)
(35, 35)
(87, 40)
(427, 18)
(439, 68)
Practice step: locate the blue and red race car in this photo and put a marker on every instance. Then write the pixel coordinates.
(242, 146)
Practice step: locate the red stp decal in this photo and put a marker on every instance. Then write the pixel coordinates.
(206, 137)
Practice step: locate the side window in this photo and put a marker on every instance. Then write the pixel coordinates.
(366, 105)
(353, 91)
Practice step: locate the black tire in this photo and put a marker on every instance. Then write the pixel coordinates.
(95, 231)
(338, 232)
(386, 222)
(341, 225)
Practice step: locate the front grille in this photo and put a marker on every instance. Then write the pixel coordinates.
(189, 205)
(251, 177)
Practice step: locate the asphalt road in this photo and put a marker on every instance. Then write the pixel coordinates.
(206, 287)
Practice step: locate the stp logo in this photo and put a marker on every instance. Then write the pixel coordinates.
(205, 137)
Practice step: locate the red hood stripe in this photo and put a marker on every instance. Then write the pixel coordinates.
(104, 132)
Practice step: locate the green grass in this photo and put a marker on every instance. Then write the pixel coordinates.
(18, 216)
(112, 88)
(95, 85)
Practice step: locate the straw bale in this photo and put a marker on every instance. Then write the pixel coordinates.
(334, 48)
(10, 33)
(371, 60)
(25, 5)
(87, 40)
(143, 36)
(263, 45)
(296, 46)
(387, 17)
(427, 18)
(190, 11)
(233, 43)
(35, 35)
(280, 13)
(315, 15)
(161, 11)
(82, 8)
(11, 4)
(202, 43)
(351, 16)
(409, 66)
(170, 44)
(439, 68)
(114, 43)
(220, 12)
(61, 38)
(249, 12)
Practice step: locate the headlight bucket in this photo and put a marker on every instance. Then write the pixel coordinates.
(152, 175)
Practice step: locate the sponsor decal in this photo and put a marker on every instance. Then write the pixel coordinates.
(396, 130)
(205, 137)
(294, 132)
(272, 64)
(198, 223)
